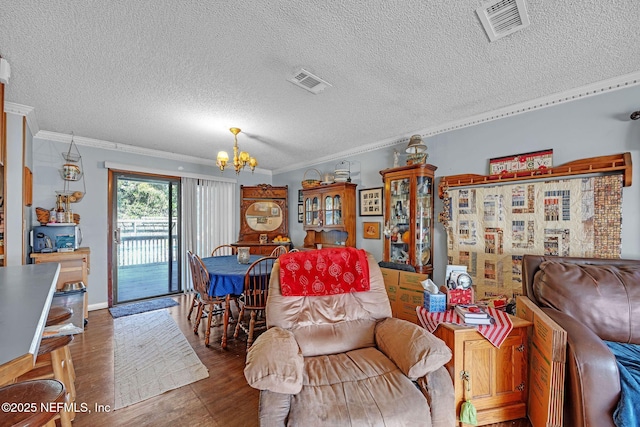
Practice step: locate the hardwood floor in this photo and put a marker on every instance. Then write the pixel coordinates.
(224, 399)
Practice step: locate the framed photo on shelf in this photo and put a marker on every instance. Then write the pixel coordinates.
(300, 213)
(371, 230)
(371, 202)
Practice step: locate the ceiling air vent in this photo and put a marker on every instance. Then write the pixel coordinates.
(308, 81)
(503, 17)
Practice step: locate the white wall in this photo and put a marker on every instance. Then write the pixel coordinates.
(93, 208)
(588, 127)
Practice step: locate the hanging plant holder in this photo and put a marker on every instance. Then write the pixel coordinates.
(73, 155)
(71, 172)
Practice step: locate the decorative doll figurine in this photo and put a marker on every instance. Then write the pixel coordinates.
(396, 158)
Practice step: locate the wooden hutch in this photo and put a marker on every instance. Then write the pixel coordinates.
(263, 213)
(329, 215)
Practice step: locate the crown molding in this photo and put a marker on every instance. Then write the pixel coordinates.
(26, 111)
(114, 146)
(575, 94)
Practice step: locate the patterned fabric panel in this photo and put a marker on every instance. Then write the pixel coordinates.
(328, 271)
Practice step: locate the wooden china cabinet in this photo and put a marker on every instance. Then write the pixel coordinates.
(408, 215)
(329, 216)
(263, 212)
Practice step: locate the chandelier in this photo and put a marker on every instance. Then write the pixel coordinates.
(240, 158)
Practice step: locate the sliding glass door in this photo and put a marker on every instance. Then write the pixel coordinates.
(146, 234)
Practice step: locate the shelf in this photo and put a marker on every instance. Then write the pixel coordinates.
(602, 164)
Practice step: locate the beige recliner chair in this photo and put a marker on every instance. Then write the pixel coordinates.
(342, 360)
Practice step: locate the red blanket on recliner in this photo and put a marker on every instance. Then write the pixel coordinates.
(327, 271)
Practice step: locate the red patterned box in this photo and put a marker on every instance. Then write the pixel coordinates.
(460, 296)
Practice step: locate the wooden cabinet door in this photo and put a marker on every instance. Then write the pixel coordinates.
(497, 378)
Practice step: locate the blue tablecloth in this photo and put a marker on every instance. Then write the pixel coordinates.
(226, 274)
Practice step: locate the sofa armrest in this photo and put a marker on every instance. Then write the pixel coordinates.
(414, 350)
(274, 409)
(437, 387)
(592, 384)
(275, 362)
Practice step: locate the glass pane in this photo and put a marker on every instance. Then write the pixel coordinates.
(400, 238)
(328, 210)
(147, 254)
(328, 203)
(307, 211)
(423, 221)
(315, 208)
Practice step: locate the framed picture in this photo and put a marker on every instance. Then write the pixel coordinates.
(300, 213)
(300, 198)
(371, 202)
(536, 160)
(371, 230)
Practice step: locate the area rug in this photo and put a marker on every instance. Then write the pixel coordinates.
(141, 307)
(152, 356)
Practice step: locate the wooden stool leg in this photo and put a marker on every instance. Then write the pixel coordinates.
(62, 373)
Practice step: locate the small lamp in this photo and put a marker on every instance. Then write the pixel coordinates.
(416, 150)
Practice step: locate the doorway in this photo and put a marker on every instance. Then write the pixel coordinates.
(145, 230)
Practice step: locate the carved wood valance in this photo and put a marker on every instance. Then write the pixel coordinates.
(601, 164)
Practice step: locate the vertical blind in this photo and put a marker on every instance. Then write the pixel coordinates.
(208, 214)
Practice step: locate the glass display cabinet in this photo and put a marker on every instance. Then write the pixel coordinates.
(329, 216)
(408, 215)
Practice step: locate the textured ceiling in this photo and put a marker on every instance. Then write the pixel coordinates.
(175, 75)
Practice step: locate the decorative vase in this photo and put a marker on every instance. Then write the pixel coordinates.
(243, 255)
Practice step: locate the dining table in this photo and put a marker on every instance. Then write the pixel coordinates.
(226, 279)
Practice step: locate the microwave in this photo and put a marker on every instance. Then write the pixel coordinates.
(55, 238)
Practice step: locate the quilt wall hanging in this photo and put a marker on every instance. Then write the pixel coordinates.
(490, 228)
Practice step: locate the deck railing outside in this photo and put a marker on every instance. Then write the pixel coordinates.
(145, 241)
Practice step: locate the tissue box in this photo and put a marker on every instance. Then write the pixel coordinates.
(435, 303)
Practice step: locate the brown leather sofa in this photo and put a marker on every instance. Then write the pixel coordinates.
(593, 300)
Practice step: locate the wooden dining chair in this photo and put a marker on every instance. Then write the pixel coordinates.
(279, 250)
(254, 298)
(201, 284)
(224, 250)
(221, 250)
(294, 250)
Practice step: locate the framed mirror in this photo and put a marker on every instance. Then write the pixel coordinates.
(263, 210)
(264, 216)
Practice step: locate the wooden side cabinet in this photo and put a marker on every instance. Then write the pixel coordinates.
(329, 216)
(74, 267)
(494, 380)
